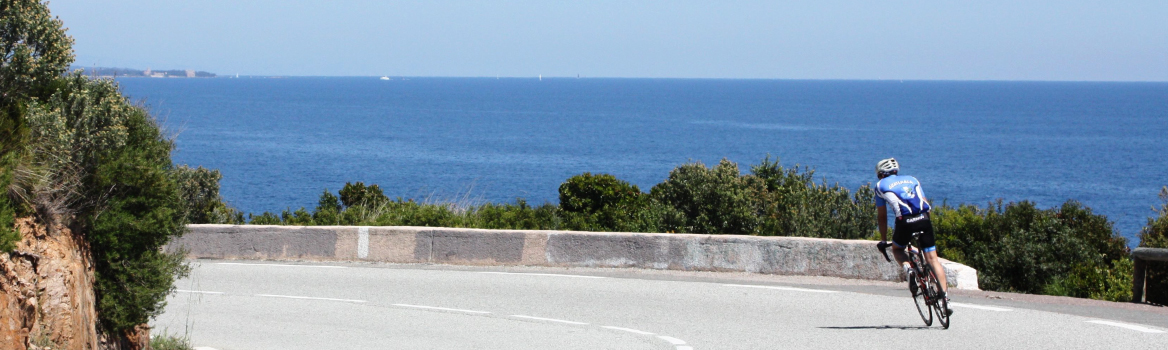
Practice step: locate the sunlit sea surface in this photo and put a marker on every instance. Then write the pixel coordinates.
(281, 142)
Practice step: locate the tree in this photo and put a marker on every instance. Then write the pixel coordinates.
(90, 157)
(35, 52)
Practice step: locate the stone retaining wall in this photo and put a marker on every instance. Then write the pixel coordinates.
(397, 244)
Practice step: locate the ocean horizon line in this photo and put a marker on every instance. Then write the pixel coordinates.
(537, 77)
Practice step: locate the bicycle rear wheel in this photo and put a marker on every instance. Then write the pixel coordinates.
(939, 304)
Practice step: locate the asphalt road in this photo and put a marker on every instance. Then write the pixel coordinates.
(228, 305)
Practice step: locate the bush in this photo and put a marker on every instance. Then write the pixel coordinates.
(8, 234)
(772, 201)
(1155, 235)
(35, 50)
(143, 210)
(170, 342)
(300, 217)
(604, 203)
(518, 216)
(794, 205)
(714, 200)
(359, 195)
(264, 219)
(587, 193)
(74, 151)
(1096, 282)
(1019, 248)
(200, 191)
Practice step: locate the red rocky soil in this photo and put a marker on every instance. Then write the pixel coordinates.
(46, 291)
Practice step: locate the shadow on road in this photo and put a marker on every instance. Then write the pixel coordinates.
(903, 328)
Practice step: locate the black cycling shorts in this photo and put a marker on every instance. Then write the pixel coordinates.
(906, 225)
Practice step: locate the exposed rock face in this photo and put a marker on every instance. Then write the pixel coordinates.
(46, 291)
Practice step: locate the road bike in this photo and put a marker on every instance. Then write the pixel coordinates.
(926, 292)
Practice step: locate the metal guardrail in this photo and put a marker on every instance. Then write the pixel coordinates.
(1141, 257)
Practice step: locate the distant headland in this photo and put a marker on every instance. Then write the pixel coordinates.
(148, 73)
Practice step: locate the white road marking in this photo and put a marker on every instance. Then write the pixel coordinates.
(363, 242)
(678, 343)
(793, 289)
(196, 291)
(285, 265)
(204, 348)
(442, 308)
(540, 274)
(979, 307)
(672, 340)
(309, 298)
(1128, 326)
(630, 330)
(548, 319)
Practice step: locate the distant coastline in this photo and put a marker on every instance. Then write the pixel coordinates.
(147, 73)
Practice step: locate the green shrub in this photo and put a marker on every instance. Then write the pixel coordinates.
(300, 217)
(1019, 248)
(1155, 235)
(355, 194)
(794, 205)
(587, 193)
(97, 160)
(1096, 282)
(36, 50)
(264, 219)
(170, 342)
(143, 210)
(13, 132)
(328, 209)
(772, 201)
(602, 202)
(8, 234)
(200, 191)
(75, 151)
(518, 216)
(714, 200)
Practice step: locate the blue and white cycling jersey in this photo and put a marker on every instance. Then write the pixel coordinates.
(903, 192)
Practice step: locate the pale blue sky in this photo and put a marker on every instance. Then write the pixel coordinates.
(957, 40)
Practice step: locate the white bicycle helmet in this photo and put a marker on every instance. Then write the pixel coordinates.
(887, 166)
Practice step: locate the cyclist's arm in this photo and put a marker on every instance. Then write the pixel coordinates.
(882, 222)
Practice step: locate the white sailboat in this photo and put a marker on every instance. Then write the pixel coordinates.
(384, 77)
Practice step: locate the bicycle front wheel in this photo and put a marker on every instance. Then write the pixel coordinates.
(939, 304)
(920, 299)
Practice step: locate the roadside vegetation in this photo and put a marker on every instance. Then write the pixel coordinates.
(769, 201)
(76, 153)
(1016, 247)
(170, 342)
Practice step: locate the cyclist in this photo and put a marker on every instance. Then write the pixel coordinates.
(904, 194)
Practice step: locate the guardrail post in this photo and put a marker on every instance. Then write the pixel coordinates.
(1138, 272)
(1141, 257)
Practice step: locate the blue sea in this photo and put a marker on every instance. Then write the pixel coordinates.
(281, 142)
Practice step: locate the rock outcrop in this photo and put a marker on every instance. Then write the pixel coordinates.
(46, 291)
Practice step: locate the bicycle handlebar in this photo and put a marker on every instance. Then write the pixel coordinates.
(883, 247)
